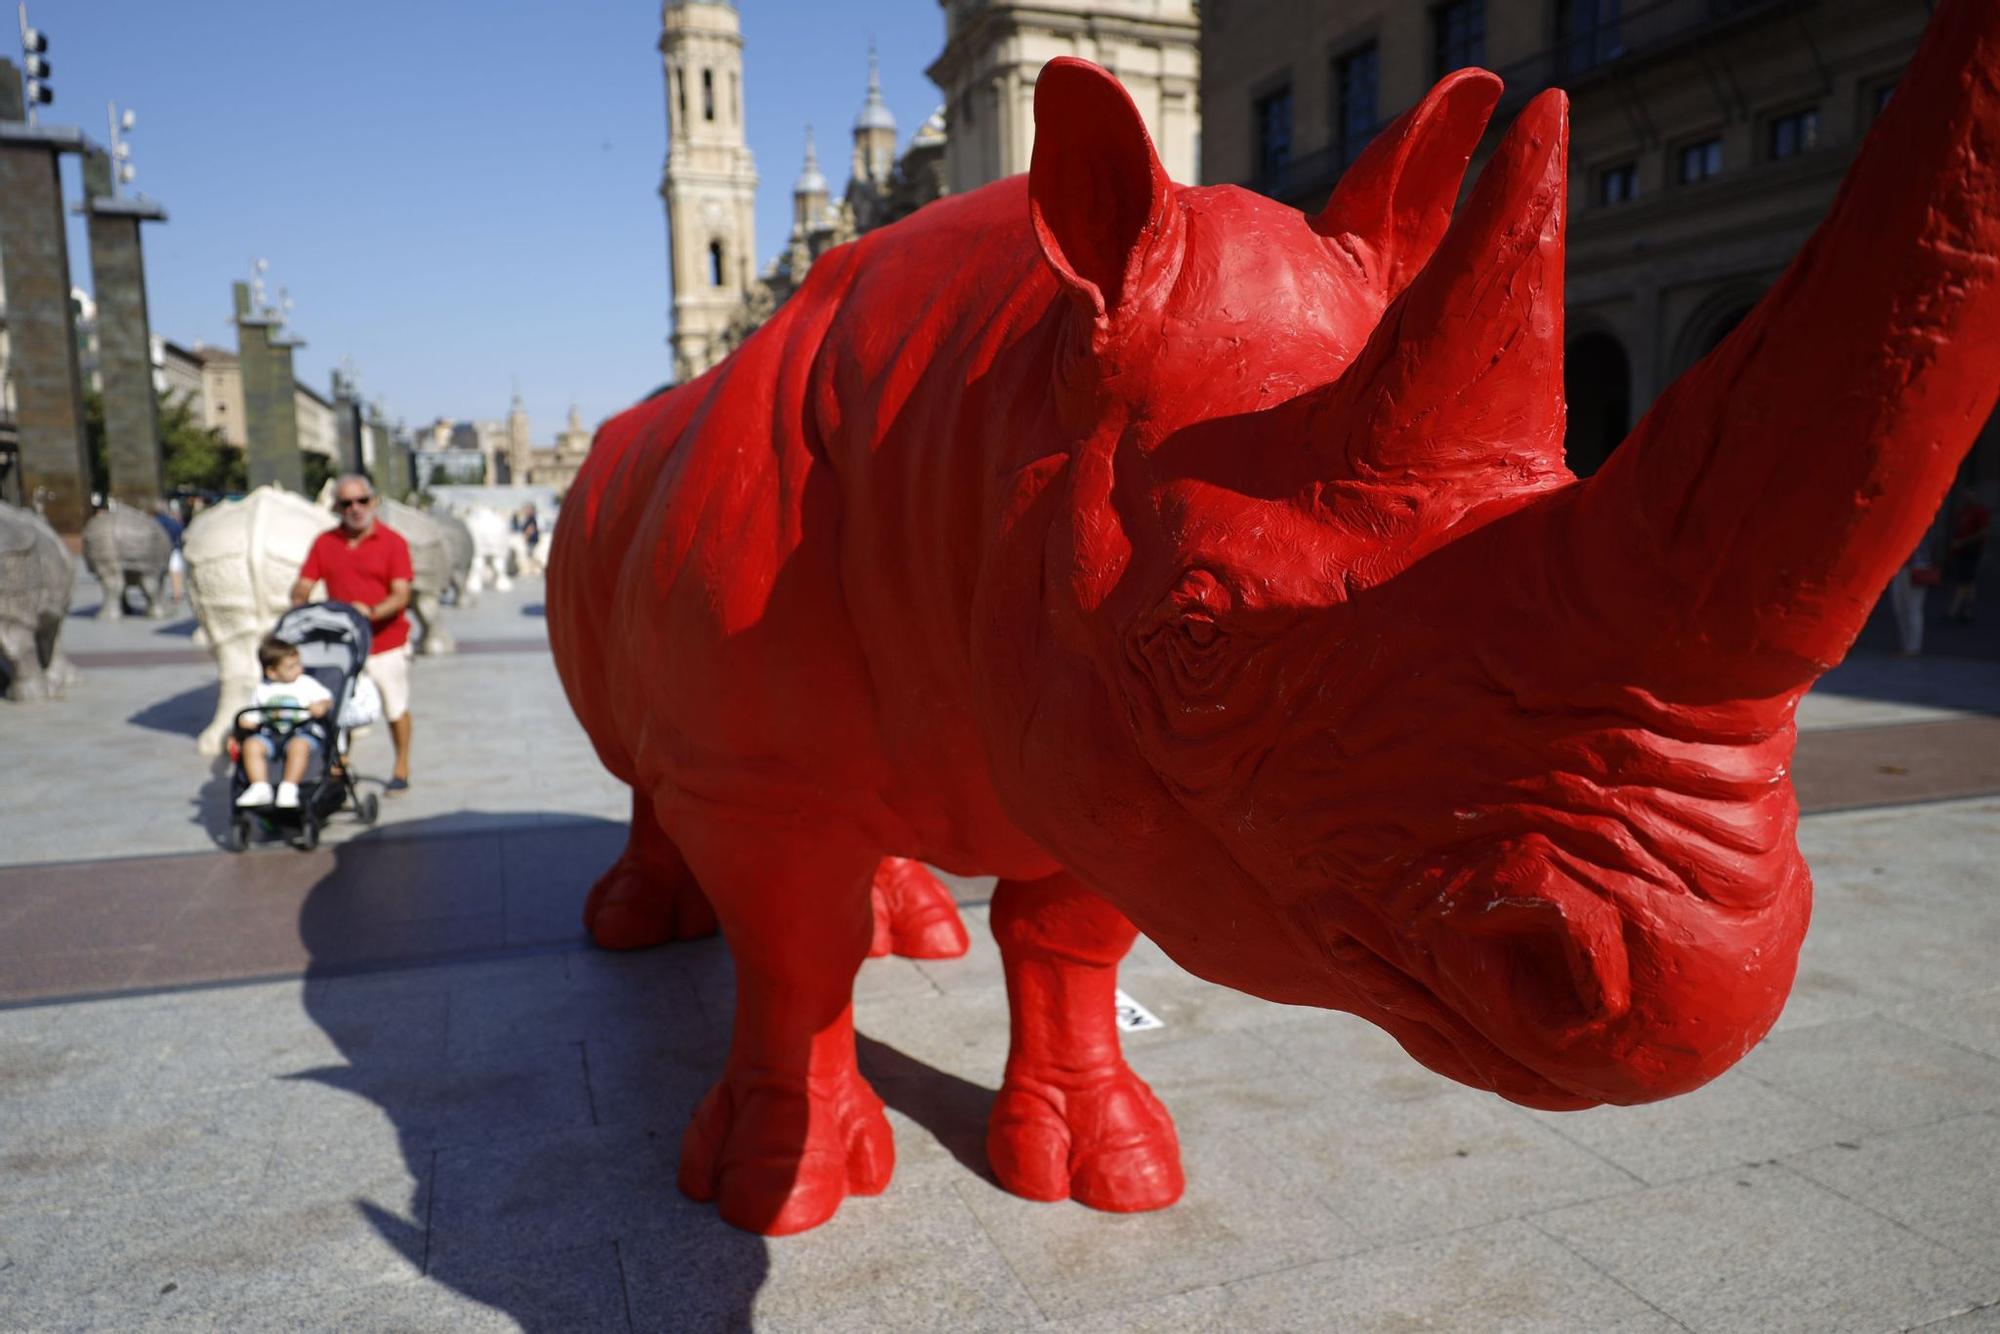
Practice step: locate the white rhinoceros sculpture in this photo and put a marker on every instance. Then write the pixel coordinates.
(35, 580)
(243, 557)
(127, 548)
(493, 544)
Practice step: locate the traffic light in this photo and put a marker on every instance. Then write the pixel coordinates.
(34, 50)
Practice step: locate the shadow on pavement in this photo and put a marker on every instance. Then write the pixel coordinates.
(183, 628)
(184, 714)
(953, 1109)
(536, 1213)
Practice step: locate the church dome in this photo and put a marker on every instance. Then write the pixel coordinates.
(874, 113)
(810, 181)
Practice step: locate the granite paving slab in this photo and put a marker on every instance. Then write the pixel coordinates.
(1764, 1249)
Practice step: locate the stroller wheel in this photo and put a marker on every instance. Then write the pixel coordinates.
(239, 832)
(309, 835)
(369, 807)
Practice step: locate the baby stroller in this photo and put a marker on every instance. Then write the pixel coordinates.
(333, 641)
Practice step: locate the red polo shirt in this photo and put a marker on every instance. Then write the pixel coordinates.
(360, 571)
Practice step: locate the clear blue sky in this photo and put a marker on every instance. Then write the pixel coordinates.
(454, 192)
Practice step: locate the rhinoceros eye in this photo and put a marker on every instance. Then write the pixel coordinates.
(1184, 643)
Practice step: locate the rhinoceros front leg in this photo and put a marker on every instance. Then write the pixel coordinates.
(649, 896)
(915, 916)
(1071, 1119)
(112, 579)
(436, 639)
(21, 656)
(791, 1129)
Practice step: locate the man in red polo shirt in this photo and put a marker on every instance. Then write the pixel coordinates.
(367, 563)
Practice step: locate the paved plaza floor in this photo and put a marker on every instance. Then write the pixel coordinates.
(386, 1085)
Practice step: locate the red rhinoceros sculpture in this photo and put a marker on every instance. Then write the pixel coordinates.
(1205, 569)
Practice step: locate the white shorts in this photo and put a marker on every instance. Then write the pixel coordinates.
(390, 670)
(176, 563)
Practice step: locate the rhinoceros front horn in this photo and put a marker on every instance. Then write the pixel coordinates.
(1775, 487)
(1394, 203)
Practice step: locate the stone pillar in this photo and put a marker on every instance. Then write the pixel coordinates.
(270, 414)
(41, 327)
(124, 335)
(393, 458)
(347, 423)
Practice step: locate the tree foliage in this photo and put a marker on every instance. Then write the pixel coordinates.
(196, 457)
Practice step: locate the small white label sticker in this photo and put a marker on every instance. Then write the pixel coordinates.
(1134, 1017)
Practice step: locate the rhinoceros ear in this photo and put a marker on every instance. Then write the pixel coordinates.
(1100, 201)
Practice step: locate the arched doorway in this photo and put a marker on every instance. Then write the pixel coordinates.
(1712, 322)
(1597, 385)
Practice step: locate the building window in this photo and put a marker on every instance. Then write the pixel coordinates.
(1458, 35)
(708, 94)
(1700, 160)
(1587, 34)
(1793, 134)
(735, 100)
(681, 101)
(1356, 78)
(1619, 184)
(715, 263)
(1274, 140)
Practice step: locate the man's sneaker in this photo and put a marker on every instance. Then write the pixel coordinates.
(288, 796)
(257, 794)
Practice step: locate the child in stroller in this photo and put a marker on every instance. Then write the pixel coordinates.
(301, 720)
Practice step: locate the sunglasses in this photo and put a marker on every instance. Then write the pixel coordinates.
(359, 502)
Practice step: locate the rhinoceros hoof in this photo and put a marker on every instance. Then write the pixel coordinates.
(1107, 1143)
(779, 1159)
(635, 904)
(915, 916)
(30, 690)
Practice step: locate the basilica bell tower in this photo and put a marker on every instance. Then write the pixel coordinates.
(710, 183)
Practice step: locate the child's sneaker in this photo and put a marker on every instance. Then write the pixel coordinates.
(257, 794)
(288, 796)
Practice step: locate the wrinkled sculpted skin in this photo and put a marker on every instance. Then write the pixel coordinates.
(1201, 567)
(242, 557)
(127, 548)
(35, 582)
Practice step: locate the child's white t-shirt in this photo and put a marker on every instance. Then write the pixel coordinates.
(304, 693)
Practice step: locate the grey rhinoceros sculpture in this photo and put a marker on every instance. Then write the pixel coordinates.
(431, 571)
(35, 579)
(127, 548)
(458, 542)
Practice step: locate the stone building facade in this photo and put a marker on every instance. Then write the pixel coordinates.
(1707, 140)
(710, 182)
(994, 49)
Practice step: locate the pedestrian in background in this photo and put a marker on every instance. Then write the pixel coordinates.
(163, 514)
(1963, 553)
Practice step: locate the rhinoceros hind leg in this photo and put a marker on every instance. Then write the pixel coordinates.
(649, 896)
(792, 1128)
(1071, 1120)
(915, 916)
